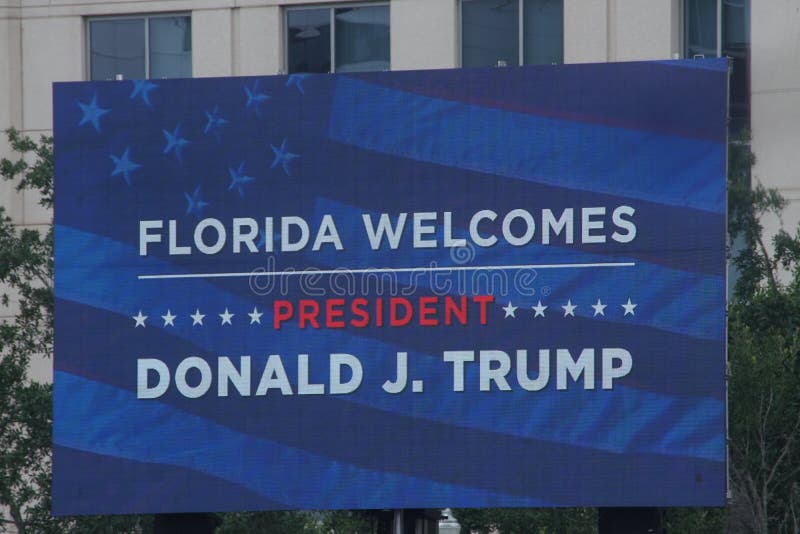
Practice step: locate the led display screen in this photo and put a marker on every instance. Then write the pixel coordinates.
(463, 288)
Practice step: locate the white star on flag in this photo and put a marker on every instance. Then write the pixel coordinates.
(598, 308)
(197, 317)
(510, 310)
(140, 319)
(255, 316)
(569, 308)
(629, 306)
(226, 317)
(169, 319)
(538, 309)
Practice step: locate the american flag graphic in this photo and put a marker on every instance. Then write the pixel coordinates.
(230, 313)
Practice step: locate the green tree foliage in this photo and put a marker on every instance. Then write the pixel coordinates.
(764, 358)
(695, 520)
(353, 522)
(26, 274)
(527, 520)
(268, 523)
(336, 522)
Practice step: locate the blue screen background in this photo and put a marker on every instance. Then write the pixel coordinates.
(650, 135)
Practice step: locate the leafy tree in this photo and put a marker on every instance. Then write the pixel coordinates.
(764, 421)
(26, 272)
(268, 523)
(527, 520)
(335, 522)
(764, 357)
(695, 520)
(354, 522)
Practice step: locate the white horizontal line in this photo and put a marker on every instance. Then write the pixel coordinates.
(386, 270)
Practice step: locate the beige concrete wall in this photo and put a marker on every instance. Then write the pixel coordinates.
(424, 34)
(258, 40)
(49, 48)
(10, 94)
(642, 30)
(48, 55)
(775, 87)
(585, 31)
(10, 112)
(621, 30)
(212, 50)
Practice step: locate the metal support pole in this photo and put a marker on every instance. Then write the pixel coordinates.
(416, 521)
(629, 521)
(397, 522)
(185, 524)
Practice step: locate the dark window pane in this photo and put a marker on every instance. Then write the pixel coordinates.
(543, 38)
(117, 47)
(170, 47)
(701, 28)
(309, 47)
(362, 39)
(735, 23)
(736, 45)
(489, 33)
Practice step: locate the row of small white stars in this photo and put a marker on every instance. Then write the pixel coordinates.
(255, 316)
(569, 309)
(197, 318)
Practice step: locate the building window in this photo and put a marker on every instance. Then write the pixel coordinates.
(338, 39)
(718, 28)
(511, 32)
(158, 46)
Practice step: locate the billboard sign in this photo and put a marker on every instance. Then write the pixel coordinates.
(477, 287)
